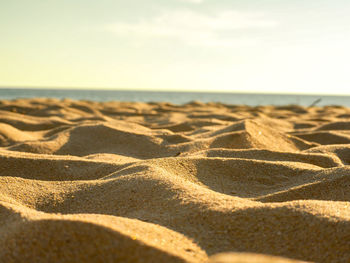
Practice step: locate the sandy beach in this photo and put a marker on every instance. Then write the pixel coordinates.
(84, 181)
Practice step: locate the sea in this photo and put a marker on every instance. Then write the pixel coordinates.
(252, 99)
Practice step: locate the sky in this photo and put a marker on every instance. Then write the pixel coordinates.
(283, 46)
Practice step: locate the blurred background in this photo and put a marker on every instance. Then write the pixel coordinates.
(241, 46)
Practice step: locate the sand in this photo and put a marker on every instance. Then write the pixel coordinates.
(84, 181)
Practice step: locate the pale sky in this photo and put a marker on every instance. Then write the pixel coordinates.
(284, 46)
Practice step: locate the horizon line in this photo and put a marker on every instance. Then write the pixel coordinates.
(76, 88)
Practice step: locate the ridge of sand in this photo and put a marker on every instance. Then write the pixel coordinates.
(159, 182)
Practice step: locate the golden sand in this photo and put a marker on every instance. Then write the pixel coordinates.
(85, 181)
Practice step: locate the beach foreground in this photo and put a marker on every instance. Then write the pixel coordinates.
(135, 182)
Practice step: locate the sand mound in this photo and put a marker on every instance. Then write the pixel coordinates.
(157, 182)
(40, 237)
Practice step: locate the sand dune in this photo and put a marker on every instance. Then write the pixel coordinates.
(86, 181)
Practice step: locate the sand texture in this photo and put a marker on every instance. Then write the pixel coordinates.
(156, 182)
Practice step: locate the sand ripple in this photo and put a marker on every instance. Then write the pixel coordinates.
(155, 182)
